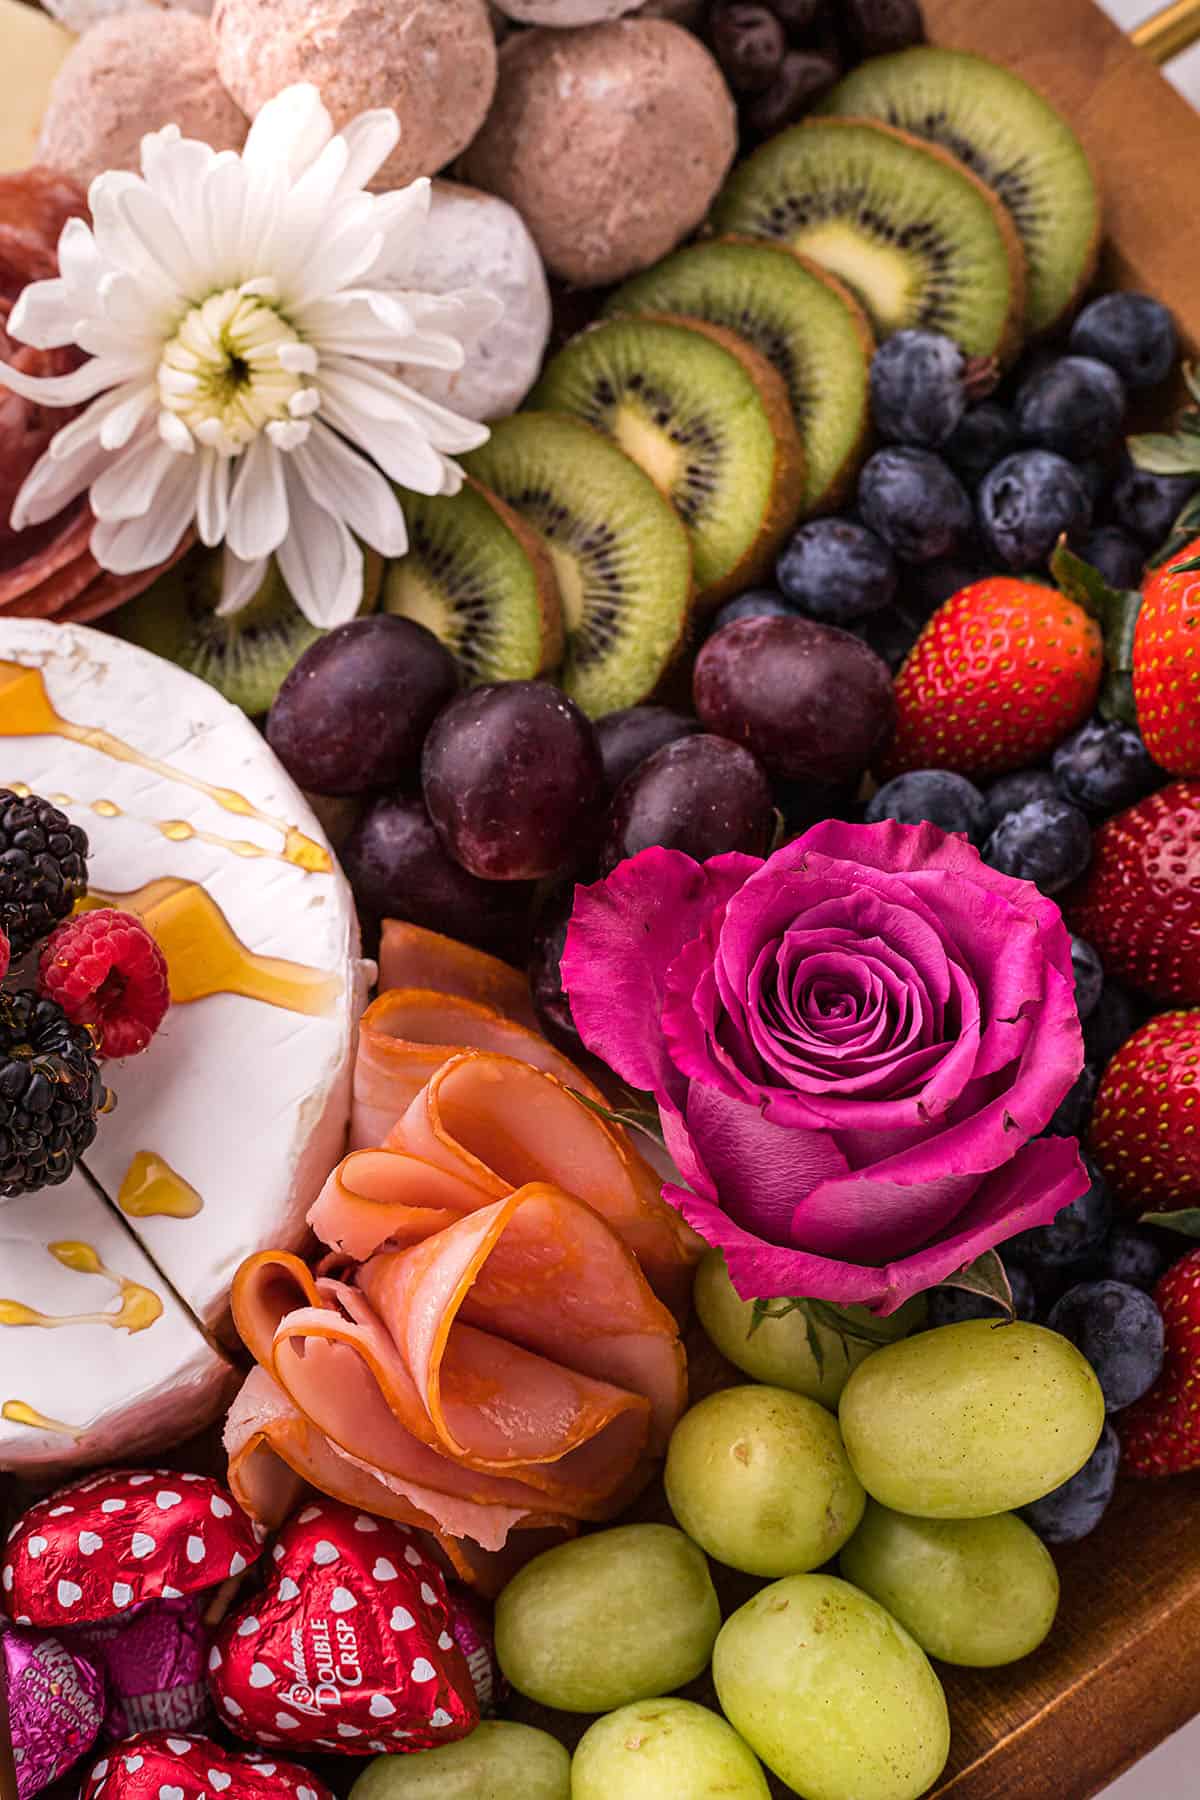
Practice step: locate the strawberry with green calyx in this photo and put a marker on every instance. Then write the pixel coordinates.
(1166, 662)
(1002, 672)
(1116, 612)
(1139, 902)
(1144, 1125)
(1160, 1433)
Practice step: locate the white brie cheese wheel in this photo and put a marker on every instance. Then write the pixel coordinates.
(227, 1125)
(98, 1358)
(33, 49)
(78, 15)
(472, 239)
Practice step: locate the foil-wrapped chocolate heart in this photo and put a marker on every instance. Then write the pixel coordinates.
(350, 1645)
(116, 1540)
(166, 1765)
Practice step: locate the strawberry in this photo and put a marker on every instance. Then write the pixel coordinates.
(1160, 1433)
(1139, 902)
(1144, 1124)
(1166, 663)
(999, 676)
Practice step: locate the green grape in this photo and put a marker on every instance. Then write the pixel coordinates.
(760, 1478)
(831, 1692)
(981, 1592)
(665, 1750)
(499, 1761)
(971, 1419)
(607, 1619)
(780, 1348)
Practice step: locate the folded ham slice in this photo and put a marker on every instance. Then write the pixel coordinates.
(411, 957)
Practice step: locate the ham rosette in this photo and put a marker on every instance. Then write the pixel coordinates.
(491, 1351)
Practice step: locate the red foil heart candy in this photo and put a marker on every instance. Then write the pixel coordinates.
(349, 1647)
(165, 1765)
(118, 1539)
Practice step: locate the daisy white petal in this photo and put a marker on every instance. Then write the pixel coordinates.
(123, 546)
(289, 132)
(258, 514)
(288, 434)
(212, 496)
(129, 485)
(345, 482)
(398, 447)
(175, 434)
(369, 140)
(53, 482)
(44, 316)
(320, 561)
(74, 389)
(240, 581)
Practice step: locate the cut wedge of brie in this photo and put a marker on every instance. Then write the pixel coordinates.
(226, 1127)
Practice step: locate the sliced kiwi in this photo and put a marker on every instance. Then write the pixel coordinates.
(621, 556)
(801, 318)
(710, 422)
(481, 580)
(246, 656)
(915, 236)
(1013, 139)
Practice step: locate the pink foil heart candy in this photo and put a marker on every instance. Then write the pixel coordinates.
(55, 1705)
(118, 1539)
(155, 1662)
(349, 1647)
(168, 1765)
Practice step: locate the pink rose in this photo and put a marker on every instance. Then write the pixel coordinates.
(853, 1047)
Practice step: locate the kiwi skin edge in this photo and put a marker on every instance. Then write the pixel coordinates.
(554, 643)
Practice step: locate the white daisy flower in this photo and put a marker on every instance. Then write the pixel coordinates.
(242, 315)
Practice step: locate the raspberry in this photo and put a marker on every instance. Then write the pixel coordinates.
(106, 971)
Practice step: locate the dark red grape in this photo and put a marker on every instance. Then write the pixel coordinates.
(628, 737)
(353, 713)
(395, 863)
(811, 701)
(702, 795)
(513, 779)
(545, 974)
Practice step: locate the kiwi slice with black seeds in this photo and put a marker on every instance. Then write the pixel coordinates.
(482, 581)
(620, 553)
(245, 656)
(710, 422)
(802, 319)
(917, 238)
(1005, 132)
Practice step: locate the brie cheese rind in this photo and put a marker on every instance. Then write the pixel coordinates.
(227, 1125)
(97, 1356)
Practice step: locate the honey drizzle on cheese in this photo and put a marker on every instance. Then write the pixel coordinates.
(19, 1412)
(139, 1306)
(205, 956)
(26, 711)
(152, 1189)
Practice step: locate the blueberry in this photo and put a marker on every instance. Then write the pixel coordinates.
(1027, 502)
(1089, 976)
(1135, 1257)
(1148, 505)
(951, 1305)
(1011, 792)
(917, 393)
(891, 633)
(1073, 1510)
(1114, 1020)
(1120, 1331)
(1074, 1237)
(1119, 558)
(1134, 334)
(837, 571)
(1074, 405)
(1047, 841)
(750, 605)
(982, 437)
(1104, 767)
(926, 586)
(1096, 474)
(915, 503)
(949, 801)
(1074, 1109)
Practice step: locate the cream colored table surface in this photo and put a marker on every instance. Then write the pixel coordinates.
(1173, 1771)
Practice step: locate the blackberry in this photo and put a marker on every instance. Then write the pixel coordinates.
(50, 1093)
(43, 868)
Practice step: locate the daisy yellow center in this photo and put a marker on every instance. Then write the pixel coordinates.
(222, 372)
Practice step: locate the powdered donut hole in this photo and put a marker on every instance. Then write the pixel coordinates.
(610, 141)
(565, 13)
(432, 61)
(130, 75)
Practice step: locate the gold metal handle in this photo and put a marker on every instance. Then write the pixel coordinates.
(1167, 33)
